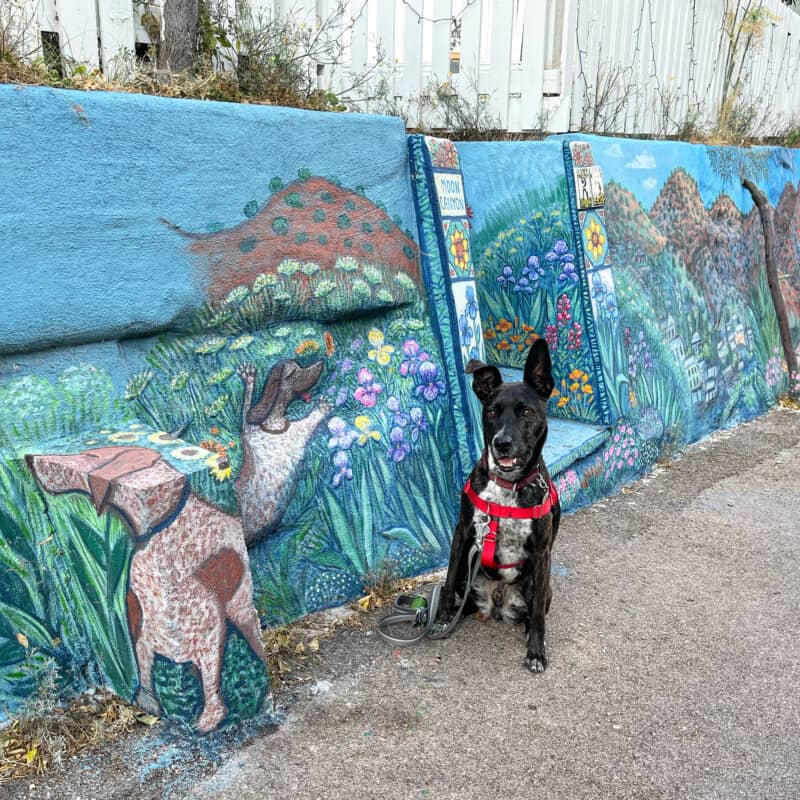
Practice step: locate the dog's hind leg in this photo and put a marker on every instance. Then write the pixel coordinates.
(206, 652)
(145, 697)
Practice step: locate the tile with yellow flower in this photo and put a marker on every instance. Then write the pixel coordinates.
(595, 238)
(458, 250)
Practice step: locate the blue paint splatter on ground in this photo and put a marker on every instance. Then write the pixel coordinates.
(176, 754)
(560, 570)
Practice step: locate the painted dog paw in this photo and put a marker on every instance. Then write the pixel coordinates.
(247, 372)
(536, 663)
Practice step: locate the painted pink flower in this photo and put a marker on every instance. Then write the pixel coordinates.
(367, 391)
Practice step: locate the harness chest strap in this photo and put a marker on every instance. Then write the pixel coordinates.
(496, 512)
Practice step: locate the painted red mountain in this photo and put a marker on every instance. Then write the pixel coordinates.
(307, 220)
(627, 221)
(680, 215)
(713, 244)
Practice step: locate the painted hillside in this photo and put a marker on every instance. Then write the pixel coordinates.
(305, 221)
(706, 287)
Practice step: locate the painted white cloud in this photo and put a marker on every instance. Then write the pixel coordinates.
(615, 151)
(650, 184)
(643, 161)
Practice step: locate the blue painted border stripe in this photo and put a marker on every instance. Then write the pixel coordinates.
(586, 297)
(435, 273)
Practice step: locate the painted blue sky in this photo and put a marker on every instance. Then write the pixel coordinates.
(643, 167)
(495, 172)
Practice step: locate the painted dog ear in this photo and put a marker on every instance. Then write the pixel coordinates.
(538, 372)
(485, 379)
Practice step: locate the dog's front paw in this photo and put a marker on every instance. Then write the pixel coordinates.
(247, 372)
(536, 662)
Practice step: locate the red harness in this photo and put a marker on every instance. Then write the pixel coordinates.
(497, 512)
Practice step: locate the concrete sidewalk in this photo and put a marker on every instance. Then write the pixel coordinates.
(674, 646)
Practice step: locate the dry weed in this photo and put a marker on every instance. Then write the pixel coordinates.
(32, 744)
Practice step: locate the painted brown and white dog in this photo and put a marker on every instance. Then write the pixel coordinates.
(189, 575)
(509, 507)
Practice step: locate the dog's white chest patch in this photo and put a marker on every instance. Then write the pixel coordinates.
(511, 533)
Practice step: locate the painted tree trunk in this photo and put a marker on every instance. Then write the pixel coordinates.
(771, 266)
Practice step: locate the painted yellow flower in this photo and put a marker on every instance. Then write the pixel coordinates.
(189, 453)
(595, 239)
(459, 248)
(504, 326)
(382, 353)
(574, 387)
(162, 437)
(219, 466)
(364, 424)
(587, 389)
(124, 437)
(307, 346)
(562, 402)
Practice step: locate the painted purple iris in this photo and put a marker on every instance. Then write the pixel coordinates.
(398, 415)
(414, 357)
(400, 448)
(418, 422)
(524, 286)
(367, 391)
(506, 277)
(341, 461)
(342, 437)
(430, 386)
(533, 270)
(560, 252)
(568, 274)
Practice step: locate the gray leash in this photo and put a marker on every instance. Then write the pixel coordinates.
(422, 611)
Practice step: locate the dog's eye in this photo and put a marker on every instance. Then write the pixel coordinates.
(527, 412)
(491, 413)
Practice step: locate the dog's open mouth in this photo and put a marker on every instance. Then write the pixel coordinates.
(509, 463)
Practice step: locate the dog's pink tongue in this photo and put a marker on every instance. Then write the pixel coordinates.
(506, 462)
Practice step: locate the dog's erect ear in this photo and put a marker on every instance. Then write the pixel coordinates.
(485, 379)
(538, 372)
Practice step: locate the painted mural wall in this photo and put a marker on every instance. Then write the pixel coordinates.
(231, 359)
(216, 323)
(670, 248)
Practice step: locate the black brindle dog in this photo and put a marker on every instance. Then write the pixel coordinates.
(509, 506)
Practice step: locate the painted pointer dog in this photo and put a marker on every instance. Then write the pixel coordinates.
(509, 506)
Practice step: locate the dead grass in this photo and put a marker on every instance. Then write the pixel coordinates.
(31, 745)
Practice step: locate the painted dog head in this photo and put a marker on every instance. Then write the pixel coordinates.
(136, 482)
(514, 421)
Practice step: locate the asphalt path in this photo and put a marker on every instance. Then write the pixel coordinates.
(674, 668)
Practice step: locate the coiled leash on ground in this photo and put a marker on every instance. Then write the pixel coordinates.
(422, 611)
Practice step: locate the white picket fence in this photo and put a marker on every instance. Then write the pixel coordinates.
(624, 66)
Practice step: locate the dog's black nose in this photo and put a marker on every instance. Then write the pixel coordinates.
(502, 443)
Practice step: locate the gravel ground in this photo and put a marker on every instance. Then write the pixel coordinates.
(674, 646)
